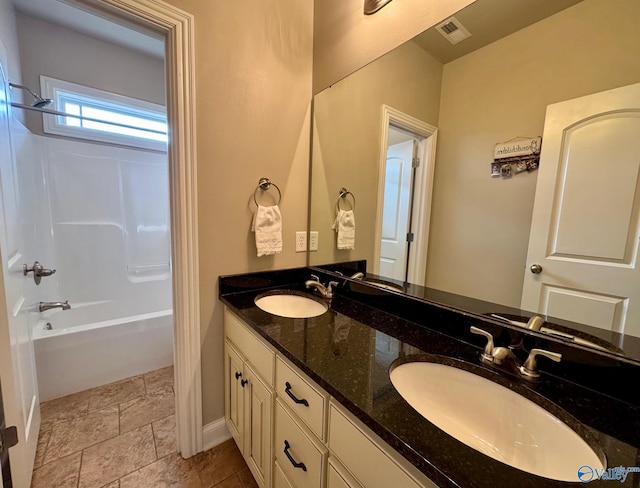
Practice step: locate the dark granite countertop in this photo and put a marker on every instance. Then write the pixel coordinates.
(349, 349)
(627, 345)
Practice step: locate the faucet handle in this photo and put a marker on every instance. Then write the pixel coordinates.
(315, 278)
(488, 348)
(328, 290)
(530, 367)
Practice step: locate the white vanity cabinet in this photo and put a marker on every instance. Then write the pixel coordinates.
(249, 397)
(292, 433)
(368, 459)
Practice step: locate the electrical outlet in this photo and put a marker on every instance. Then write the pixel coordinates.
(313, 240)
(301, 241)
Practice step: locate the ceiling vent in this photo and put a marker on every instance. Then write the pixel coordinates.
(453, 30)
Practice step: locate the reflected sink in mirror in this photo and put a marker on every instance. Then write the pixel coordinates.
(385, 285)
(377, 283)
(495, 421)
(291, 304)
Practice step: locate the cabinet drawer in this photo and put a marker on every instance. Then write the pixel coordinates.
(301, 397)
(250, 346)
(370, 462)
(303, 451)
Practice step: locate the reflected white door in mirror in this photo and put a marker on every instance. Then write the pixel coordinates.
(396, 217)
(585, 229)
(406, 166)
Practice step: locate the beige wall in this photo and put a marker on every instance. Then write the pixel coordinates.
(52, 50)
(346, 40)
(480, 225)
(347, 140)
(253, 90)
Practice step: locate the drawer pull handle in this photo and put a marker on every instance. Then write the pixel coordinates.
(287, 390)
(238, 375)
(287, 446)
(244, 382)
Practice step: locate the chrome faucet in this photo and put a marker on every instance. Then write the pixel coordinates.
(325, 291)
(499, 355)
(43, 306)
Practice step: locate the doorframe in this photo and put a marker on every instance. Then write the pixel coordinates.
(423, 189)
(177, 27)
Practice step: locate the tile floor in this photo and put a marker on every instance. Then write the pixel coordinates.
(122, 435)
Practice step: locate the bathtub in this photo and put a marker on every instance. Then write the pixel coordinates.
(76, 355)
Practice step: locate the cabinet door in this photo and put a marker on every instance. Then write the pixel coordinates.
(258, 409)
(234, 403)
(337, 476)
(279, 478)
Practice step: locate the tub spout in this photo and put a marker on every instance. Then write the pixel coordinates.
(42, 306)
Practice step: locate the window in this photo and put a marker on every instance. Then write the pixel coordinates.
(103, 116)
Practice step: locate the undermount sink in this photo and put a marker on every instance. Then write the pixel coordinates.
(495, 420)
(291, 304)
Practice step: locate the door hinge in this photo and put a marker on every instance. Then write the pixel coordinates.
(410, 237)
(8, 438)
(415, 163)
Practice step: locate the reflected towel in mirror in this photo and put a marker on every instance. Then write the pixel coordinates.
(267, 224)
(345, 226)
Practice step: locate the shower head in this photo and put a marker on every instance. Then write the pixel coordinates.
(38, 102)
(41, 102)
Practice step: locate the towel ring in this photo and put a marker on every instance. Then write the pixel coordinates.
(264, 184)
(343, 195)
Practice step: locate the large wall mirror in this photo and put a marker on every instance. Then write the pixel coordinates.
(449, 104)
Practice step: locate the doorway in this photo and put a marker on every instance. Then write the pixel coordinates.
(407, 159)
(177, 27)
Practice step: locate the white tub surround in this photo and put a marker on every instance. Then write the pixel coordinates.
(72, 358)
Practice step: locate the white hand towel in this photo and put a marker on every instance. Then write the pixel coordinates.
(267, 224)
(345, 226)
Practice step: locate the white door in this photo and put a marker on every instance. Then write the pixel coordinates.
(17, 299)
(395, 213)
(585, 229)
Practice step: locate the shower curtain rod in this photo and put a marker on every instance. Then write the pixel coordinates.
(81, 117)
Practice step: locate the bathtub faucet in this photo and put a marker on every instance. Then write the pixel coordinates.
(42, 306)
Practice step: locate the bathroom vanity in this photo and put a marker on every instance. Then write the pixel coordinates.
(310, 402)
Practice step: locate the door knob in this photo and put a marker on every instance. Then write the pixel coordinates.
(536, 268)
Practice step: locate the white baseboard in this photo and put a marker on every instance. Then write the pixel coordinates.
(215, 433)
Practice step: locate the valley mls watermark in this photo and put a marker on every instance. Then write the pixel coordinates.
(618, 473)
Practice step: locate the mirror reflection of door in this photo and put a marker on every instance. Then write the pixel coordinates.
(396, 213)
(586, 224)
(406, 167)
